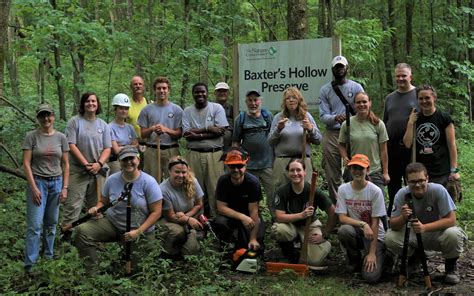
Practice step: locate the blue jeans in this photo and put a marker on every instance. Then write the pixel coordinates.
(42, 218)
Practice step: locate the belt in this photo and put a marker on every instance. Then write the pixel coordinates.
(292, 156)
(163, 147)
(48, 178)
(206, 150)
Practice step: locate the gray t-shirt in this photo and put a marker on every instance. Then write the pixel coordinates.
(90, 136)
(366, 139)
(252, 131)
(435, 204)
(331, 105)
(362, 205)
(175, 198)
(169, 115)
(46, 152)
(211, 115)
(289, 141)
(145, 191)
(396, 112)
(122, 134)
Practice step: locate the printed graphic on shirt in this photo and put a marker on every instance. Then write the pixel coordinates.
(427, 134)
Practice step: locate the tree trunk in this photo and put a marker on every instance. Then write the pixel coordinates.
(471, 59)
(12, 64)
(185, 78)
(386, 51)
(322, 19)
(58, 77)
(409, 26)
(4, 14)
(391, 24)
(77, 60)
(330, 28)
(297, 20)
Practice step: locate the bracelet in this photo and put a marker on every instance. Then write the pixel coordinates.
(100, 163)
(140, 232)
(65, 187)
(187, 221)
(362, 224)
(454, 170)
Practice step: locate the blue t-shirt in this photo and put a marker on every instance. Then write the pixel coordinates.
(145, 191)
(122, 134)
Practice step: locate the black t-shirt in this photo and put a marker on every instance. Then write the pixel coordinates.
(238, 197)
(286, 199)
(431, 145)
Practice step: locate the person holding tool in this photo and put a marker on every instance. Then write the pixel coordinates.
(360, 206)
(89, 140)
(145, 198)
(291, 212)
(287, 135)
(436, 220)
(182, 206)
(161, 126)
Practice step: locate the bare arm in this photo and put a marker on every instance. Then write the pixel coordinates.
(384, 161)
(332, 219)
(253, 209)
(27, 154)
(408, 137)
(453, 152)
(153, 216)
(65, 165)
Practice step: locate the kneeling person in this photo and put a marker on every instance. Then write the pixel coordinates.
(291, 211)
(436, 214)
(145, 198)
(182, 204)
(238, 194)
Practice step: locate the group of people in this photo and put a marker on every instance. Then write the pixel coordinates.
(99, 166)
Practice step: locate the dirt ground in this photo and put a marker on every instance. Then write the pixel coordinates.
(388, 284)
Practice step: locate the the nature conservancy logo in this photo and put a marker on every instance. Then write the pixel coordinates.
(254, 53)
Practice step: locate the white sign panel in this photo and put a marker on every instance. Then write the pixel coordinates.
(272, 67)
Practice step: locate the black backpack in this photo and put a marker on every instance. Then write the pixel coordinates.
(266, 118)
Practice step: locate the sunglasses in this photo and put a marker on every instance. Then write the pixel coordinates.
(236, 166)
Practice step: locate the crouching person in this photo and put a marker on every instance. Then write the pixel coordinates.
(146, 201)
(436, 214)
(182, 205)
(360, 205)
(291, 212)
(238, 194)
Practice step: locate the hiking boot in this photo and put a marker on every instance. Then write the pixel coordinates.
(452, 275)
(354, 262)
(289, 252)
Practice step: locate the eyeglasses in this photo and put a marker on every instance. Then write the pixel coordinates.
(128, 158)
(417, 182)
(45, 115)
(236, 166)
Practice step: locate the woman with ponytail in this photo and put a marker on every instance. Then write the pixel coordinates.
(368, 136)
(183, 204)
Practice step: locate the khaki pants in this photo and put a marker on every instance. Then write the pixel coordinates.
(288, 232)
(151, 161)
(178, 239)
(207, 169)
(280, 175)
(449, 241)
(82, 190)
(331, 162)
(266, 179)
(91, 233)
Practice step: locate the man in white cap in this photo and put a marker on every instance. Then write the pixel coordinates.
(332, 111)
(222, 91)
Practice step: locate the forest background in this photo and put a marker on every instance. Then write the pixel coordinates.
(55, 50)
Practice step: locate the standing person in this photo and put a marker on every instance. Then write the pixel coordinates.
(90, 143)
(238, 194)
(251, 129)
(360, 205)
(398, 106)
(123, 134)
(292, 210)
(368, 137)
(163, 119)
(138, 102)
(46, 166)
(204, 124)
(146, 202)
(332, 112)
(286, 135)
(436, 220)
(182, 205)
(222, 92)
(435, 138)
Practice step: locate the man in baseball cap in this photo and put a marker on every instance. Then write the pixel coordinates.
(222, 92)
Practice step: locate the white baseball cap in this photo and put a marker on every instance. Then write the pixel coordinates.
(222, 85)
(339, 60)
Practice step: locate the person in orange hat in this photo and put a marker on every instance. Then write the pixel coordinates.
(360, 205)
(238, 193)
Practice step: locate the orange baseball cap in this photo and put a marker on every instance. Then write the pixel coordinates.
(360, 160)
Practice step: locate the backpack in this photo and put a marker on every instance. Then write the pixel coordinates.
(266, 118)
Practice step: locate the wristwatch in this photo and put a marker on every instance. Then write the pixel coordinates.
(362, 225)
(454, 170)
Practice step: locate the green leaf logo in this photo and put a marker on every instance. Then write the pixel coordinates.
(272, 50)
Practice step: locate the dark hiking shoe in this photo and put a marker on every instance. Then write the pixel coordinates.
(452, 275)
